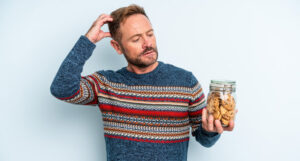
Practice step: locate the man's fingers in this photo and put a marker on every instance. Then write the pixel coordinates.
(99, 19)
(219, 126)
(230, 127)
(106, 34)
(103, 21)
(210, 123)
(102, 16)
(95, 33)
(204, 118)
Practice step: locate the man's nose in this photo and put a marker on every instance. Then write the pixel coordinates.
(147, 43)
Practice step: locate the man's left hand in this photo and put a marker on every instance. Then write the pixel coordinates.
(211, 125)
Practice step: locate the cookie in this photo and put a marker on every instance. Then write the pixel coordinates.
(217, 115)
(221, 106)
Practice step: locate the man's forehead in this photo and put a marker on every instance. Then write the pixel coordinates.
(135, 24)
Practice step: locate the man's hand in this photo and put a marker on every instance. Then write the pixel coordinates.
(95, 33)
(211, 125)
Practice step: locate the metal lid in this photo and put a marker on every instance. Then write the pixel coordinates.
(223, 85)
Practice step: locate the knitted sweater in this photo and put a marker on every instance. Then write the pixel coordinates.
(145, 116)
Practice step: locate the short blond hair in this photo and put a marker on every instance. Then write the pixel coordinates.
(119, 16)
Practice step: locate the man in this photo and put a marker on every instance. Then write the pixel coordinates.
(147, 107)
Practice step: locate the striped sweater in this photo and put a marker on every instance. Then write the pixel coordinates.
(145, 116)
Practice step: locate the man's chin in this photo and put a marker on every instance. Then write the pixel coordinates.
(143, 61)
(145, 64)
(150, 61)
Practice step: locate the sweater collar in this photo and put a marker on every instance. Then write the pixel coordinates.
(126, 72)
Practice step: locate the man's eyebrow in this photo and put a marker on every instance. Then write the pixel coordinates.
(138, 34)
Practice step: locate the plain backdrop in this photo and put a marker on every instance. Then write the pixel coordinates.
(254, 42)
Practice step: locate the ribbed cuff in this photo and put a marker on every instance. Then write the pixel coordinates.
(209, 134)
(85, 42)
(83, 48)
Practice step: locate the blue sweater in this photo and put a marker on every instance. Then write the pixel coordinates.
(145, 116)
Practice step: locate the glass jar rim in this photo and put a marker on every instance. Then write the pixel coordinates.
(223, 85)
(223, 82)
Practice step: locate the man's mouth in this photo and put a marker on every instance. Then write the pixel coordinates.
(148, 52)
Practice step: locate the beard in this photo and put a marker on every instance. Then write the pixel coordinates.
(139, 61)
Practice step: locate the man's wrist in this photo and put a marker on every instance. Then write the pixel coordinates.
(89, 38)
(87, 42)
(207, 133)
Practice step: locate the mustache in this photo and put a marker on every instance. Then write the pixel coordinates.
(148, 49)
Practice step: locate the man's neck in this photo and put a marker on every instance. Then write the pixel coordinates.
(139, 70)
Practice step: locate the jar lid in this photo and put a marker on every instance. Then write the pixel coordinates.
(222, 85)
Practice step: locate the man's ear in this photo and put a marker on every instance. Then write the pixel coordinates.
(116, 46)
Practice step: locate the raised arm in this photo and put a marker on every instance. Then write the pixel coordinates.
(68, 84)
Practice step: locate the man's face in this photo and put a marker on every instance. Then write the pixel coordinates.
(138, 42)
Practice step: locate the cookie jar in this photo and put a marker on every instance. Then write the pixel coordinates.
(221, 100)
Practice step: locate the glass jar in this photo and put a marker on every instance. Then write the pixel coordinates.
(221, 100)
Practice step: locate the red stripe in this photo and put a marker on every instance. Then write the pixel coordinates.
(142, 112)
(65, 98)
(96, 81)
(195, 113)
(95, 101)
(146, 140)
(197, 100)
(147, 98)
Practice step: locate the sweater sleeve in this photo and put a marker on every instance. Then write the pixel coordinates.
(197, 103)
(68, 84)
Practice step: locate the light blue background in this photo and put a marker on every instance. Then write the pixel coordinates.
(254, 42)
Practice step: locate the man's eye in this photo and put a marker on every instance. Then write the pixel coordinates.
(135, 40)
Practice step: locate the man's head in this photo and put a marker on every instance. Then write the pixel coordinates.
(133, 36)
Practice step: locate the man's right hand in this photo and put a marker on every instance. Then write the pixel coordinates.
(95, 33)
